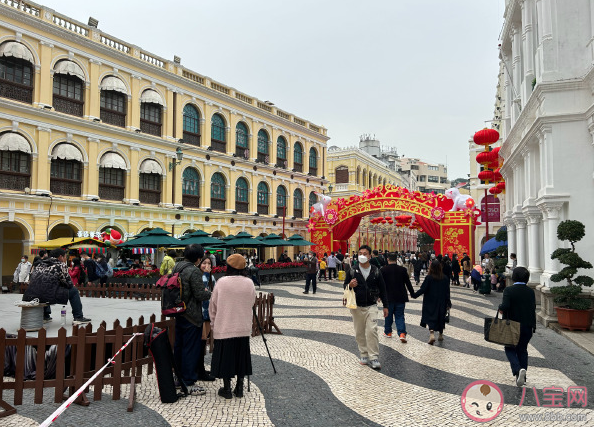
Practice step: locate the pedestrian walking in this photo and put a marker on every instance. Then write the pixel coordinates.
(476, 277)
(436, 301)
(231, 320)
(466, 268)
(50, 283)
(340, 260)
(209, 281)
(417, 267)
(89, 266)
(322, 268)
(332, 266)
(455, 270)
(519, 304)
(311, 267)
(397, 283)
(368, 283)
(188, 325)
(22, 271)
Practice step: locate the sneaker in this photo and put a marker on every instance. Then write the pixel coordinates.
(521, 379)
(306, 292)
(375, 364)
(364, 360)
(80, 320)
(388, 335)
(47, 319)
(403, 337)
(196, 390)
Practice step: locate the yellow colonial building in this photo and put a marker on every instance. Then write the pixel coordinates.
(96, 133)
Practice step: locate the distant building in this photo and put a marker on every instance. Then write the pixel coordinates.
(431, 177)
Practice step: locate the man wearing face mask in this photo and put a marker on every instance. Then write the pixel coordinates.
(51, 284)
(21, 273)
(368, 283)
(311, 263)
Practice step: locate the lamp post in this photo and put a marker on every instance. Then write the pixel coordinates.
(179, 155)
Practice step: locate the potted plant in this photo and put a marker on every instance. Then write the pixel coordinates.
(573, 312)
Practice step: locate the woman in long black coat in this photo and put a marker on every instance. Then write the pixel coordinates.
(436, 288)
(456, 269)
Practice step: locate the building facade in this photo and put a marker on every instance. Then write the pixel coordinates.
(96, 132)
(548, 128)
(430, 177)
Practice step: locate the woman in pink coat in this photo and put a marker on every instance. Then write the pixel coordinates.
(230, 313)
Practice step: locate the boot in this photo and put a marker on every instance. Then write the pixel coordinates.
(440, 337)
(225, 391)
(203, 375)
(238, 391)
(431, 337)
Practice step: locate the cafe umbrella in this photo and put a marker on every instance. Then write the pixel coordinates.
(201, 238)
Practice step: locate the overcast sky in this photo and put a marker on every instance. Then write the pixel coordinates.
(420, 75)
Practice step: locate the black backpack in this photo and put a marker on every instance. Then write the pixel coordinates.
(172, 303)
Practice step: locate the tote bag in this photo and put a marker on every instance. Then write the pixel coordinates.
(502, 331)
(348, 298)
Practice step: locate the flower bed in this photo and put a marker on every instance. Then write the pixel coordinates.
(274, 266)
(136, 273)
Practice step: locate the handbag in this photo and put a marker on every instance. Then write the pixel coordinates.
(502, 331)
(447, 316)
(349, 299)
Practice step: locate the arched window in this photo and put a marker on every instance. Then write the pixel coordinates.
(313, 162)
(151, 112)
(66, 170)
(281, 200)
(358, 175)
(242, 201)
(298, 157)
(112, 173)
(191, 188)
(218, 186)
(113, 101)
(313, 199)
(298, 203)
(191, 125)
(218, 140)
(364, 178)
(263, 198)
(384, 181)
(241, 141)
(16, 72)
(15, 162)
(370, 181)
(341, 175)
(281, 152)
(68, 88)
(263, 146)
(150, 182)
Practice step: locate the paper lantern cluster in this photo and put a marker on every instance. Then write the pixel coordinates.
(490, 160)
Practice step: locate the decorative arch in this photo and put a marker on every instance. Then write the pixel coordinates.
(194, 104)
(24, 225)
(453, 231)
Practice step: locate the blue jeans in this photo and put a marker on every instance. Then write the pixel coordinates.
(187, 347)
(396, 312)
(518, 355)
(75, 303)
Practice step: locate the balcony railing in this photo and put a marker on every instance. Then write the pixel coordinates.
(217, 204)
(281, 163)
(68, 105)
(192, 138)
(113, 117)
(16, 91)
(149, 197)
(313, 171)
(298, 213)
(280, 211)
(298, 167)
(219, 146)
(65, 187)
(190, 201)
(111, 192)
(242, 207)
(14, 181)
(262, 209)
(262, 158)
(150, 128)
(240, 152)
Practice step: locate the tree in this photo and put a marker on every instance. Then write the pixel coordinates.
(499, 255)
(424, 239)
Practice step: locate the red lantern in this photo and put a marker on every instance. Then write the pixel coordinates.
(384, 221)
(390, 222)
(495, 190)
(486, 176)
(497, 177)
(483, 157)
(388, 218)
(501, 186)
(486, 137)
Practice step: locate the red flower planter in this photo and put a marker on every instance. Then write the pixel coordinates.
(575, 320)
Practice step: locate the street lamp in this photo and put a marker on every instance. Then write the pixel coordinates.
(180, 156)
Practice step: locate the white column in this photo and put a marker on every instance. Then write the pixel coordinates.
(511, 239)
(553, 211)
(516, 71)
(534, 219)
(546, 160)
(528, 9)
(522, 255)
(527, 178)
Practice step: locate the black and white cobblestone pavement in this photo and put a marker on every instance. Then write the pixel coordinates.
(320, 382)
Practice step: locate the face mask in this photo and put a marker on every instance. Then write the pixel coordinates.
(363, 259)
(22, 259)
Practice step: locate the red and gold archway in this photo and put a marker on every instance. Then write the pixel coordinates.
(453, 231)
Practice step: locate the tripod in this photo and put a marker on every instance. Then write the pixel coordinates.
(265, 344)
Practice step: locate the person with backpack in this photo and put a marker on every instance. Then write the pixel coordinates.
(188, 324)
(168, 263)
(368, 283)
(89, 266)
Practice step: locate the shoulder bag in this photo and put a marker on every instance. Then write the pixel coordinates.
(502, 331)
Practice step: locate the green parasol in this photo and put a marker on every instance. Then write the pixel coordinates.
(297, 240)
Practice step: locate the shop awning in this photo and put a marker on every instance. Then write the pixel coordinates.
(66, 242)
(16, 50)
(66, 151)
(151, 166)
(143, 251)
(71, 68)
(11, 141)
(113, 160)
(113, 83)
(151, 96)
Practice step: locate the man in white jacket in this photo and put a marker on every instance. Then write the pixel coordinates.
(21, 273)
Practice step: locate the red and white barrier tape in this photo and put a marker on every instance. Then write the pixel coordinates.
(72, 398)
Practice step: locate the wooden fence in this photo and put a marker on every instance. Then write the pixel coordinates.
(88, 353)
(143, 291)
(263, 307)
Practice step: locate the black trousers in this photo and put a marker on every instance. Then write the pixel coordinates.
(310, 278)
(330, 271)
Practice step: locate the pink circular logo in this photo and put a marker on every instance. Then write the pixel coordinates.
(482, 401)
